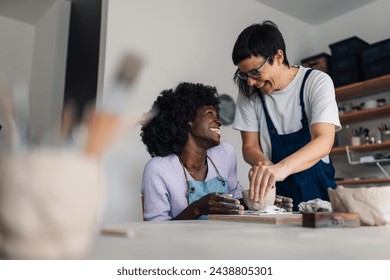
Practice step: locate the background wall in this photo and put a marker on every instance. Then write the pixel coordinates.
(48, 71)
(370, 23)
(16, 48)
(33, 63)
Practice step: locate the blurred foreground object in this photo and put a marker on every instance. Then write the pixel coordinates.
(371, 203)
(7, 113)
(49, 201)
(112, 118)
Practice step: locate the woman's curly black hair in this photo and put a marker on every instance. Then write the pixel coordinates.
(167, 132)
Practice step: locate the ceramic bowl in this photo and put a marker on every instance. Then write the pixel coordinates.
(268, 200)
(369, 104)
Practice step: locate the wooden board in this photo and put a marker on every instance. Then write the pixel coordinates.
(287, 218)
(330, 219)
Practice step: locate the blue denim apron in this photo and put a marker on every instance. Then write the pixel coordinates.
(198, 189)
(308, 184)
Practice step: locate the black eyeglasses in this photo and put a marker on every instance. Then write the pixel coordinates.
(254, 74)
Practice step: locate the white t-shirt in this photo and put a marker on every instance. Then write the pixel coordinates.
(284, 108)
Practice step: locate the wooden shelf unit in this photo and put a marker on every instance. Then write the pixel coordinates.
(359, 89)
(365, 115)
(356, 90)
(353, 181)
(361, 148)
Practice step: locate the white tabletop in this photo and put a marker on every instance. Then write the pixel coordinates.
(195, 239)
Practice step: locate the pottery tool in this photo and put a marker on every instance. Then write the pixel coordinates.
(7, 110)
(68, 122)
(20, 93)
(119, 232)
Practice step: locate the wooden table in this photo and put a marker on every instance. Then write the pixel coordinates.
(189, 240)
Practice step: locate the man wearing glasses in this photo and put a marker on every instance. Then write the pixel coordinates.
(287, 116)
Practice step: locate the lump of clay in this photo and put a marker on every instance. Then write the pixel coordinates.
(268, 200)
(371, 203)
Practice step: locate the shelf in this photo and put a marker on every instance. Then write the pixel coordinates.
(363, 181)
(361, 148)
(365, 115)
(364, 160)
(364, 154)
(363, 88)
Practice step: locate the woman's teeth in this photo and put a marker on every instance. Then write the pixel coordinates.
(216, 130)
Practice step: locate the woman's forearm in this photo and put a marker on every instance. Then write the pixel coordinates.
(312, 152)
(189, 213)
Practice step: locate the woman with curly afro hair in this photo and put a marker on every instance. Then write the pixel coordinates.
(191, 174)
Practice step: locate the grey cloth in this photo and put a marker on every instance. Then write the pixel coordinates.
(315, 205)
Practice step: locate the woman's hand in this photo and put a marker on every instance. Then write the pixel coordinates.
(284, 202)
(217, 203)
(264, 175)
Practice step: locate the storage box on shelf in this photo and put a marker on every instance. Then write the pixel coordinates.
(347, 77)
(319, 62)
(346, 61)
(376, 69)
(376, 52)
(376, 59)
(347, 46)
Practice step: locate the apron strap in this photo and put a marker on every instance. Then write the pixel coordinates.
(185, 174)
(302, 103)
(222, 179)
(270, 124)
(271, 128)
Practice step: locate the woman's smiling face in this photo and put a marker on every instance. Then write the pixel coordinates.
(266, 81)
(206, 126)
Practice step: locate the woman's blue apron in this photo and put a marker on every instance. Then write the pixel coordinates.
(308, 184)
(198, 189)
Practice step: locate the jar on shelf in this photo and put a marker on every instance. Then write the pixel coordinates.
(381, 102)
(356, 107)
(385, 135)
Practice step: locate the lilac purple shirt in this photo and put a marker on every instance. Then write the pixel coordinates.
(164, 185)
